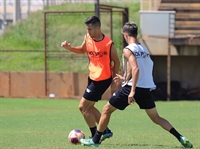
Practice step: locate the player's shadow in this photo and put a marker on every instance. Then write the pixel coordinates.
(143, 145)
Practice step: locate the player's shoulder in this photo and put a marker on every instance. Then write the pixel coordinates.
(107, 38)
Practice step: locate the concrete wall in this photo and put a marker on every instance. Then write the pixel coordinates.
(185, 69)
(32, 84)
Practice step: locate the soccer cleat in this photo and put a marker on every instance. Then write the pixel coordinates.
(88, 142)
(185, 142)
(106, 135)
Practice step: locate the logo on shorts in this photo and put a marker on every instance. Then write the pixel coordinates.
(88, 90)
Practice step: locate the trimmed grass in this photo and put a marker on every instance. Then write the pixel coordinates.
(45, 124)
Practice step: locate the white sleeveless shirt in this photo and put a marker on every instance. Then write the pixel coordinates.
(145, 65)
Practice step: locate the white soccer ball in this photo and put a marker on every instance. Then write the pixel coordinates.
(75, 136)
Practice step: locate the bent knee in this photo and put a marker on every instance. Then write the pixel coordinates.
(85, 105)
(80, 107)
(108, 109)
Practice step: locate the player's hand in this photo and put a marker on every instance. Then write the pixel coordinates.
(114, 87)
(66, 45)
(118, 79)
(131, 98)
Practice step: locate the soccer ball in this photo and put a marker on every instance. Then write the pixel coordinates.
(75, 136)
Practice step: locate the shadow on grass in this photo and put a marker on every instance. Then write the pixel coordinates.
(143, 145)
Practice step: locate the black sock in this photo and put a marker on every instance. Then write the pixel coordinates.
(175, 133)
(106, 130)
(97, 137)
(93, 131)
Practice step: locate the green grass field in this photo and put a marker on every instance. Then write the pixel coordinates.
(45, 124)
(28, 35)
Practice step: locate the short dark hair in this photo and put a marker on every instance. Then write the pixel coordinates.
(130, 28)
(93, 20)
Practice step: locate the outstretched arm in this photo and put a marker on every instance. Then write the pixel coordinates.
(79, 49)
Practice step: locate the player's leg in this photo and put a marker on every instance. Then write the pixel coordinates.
(145, 101)
(154, 116)
(101, 87)
(119, 100)
(107, 132)
(103, 123)
(85, 107)
(108, 109)
(96, 113)
(97, 116)
(93, 93)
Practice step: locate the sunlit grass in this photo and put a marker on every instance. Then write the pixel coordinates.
(45, 124)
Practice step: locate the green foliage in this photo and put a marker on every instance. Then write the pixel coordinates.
(28, 35)
(45, 124)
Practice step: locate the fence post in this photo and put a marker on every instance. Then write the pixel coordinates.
(17, 11)
(97, 9)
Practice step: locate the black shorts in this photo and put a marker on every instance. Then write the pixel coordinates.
(143, 98)
(95, 89)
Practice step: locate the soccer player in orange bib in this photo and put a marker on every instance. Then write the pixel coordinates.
(101, 53)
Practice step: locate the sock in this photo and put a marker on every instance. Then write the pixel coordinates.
(175, 133)
(93, 131)
(97, 137)
(106, 130)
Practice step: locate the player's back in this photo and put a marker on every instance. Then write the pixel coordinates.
(145, 65)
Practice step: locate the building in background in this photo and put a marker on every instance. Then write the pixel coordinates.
(170, 30)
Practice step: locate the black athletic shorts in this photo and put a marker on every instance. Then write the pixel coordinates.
(95, 89)
(143, 98)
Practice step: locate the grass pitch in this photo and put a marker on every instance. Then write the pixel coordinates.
(45, 124)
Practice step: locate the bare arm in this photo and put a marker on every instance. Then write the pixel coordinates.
(115, 59)
(128, 72)
(78, 49)
(134, 71)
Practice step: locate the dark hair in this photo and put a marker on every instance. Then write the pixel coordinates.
(93, 20)
(130, 28)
